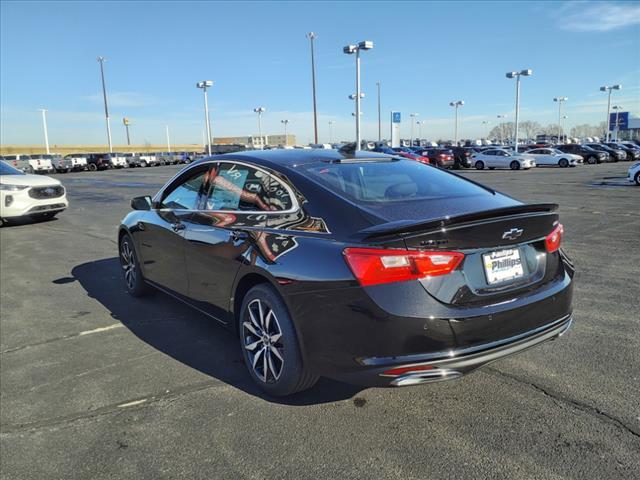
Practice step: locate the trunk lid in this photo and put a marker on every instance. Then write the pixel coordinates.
(504, 251)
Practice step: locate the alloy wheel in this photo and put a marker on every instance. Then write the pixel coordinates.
(128, 263)
(262, 340)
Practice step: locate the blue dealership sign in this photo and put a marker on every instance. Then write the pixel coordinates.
(623, 121)
(395, 117)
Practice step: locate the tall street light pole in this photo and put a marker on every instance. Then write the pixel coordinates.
(46, 133)
(413, 118)
(485, 122)
(502, 127)
(285, 122)
(204, 85)
(609, 89)
(564, 117)
(379, 117)
(312, 36)
(126, 122)
(349, 50)
(419, 123)
(260, 111)
(456, 104)
(522, 73)
(101, 60)
(331, 131)
(560, 100)
(166, 127)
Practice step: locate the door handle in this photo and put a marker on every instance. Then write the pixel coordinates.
(176, 227)
(239, 235)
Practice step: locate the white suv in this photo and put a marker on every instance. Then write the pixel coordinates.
(633, 175)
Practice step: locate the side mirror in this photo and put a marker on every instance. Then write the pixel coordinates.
(141, 203)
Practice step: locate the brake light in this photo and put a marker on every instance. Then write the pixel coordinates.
(373, 266)
(552, 241)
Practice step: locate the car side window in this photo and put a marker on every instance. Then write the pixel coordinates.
(184, 195)
(240, 187)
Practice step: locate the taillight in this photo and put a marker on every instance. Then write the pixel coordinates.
(373, 266)
(553, 240)
(423, 160)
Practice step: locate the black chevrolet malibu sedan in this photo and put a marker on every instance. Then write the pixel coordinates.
(366, 268)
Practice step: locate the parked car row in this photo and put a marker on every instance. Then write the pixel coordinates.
(95, 161)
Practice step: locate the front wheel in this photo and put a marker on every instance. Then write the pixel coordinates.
(133, 279)
(514, 165)
(637, 178)
(563, 163)
(270, 345)
(92, 167)
(479, 165)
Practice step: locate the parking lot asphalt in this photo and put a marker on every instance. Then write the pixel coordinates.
(97, 384)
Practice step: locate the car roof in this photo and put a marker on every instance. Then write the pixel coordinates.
(290, 159)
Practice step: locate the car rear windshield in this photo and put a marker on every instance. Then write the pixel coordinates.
(391, 181)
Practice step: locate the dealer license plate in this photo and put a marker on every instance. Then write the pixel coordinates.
(502, 265)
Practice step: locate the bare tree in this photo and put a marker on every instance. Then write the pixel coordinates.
(530, 129)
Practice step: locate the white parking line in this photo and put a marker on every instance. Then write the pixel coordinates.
(131, 404)
(101, 329)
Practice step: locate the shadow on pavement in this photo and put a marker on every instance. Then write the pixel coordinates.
(185, 334)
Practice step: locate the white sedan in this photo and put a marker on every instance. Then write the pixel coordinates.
(500, 158)
(551, 157)
(633, 175)
(25, 195)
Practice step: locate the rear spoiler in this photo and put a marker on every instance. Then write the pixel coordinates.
(405, 227)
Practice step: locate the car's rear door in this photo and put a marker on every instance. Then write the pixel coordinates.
(226, 231)
(160, 232)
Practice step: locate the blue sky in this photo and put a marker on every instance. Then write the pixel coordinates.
(426, 54)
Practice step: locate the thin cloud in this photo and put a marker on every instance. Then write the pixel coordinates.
(121, 99)
(597, 17)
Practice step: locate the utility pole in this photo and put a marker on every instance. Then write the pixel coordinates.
(101, 60)
(312, 36)
(46, 133)
(379, 117)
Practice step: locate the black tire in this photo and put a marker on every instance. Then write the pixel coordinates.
(514, 165)
(479, 165)
(132, 275)
(92, 167)
(637, 178)
(592, 160)
(279, 370)
(29, 170)
(563, 163)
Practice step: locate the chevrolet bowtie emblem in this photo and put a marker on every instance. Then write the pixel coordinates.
(512, 234)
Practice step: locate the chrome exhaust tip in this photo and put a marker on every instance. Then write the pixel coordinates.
(429, 376)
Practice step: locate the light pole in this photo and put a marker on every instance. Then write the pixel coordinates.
(349, 50)
(126, 122)
(312, 36)
(413, 118)
(486, 122)
(560, 100)
(204, 85)
(330, 131)
(564, 117)
(285, 122)
(522, 73)
(419, 123)
(260, 111)
(166, 128)
(617, 108)
(379, 117)
(456, 104)
(46, 133)
(101, 60)
(609, 89)
(502, 128)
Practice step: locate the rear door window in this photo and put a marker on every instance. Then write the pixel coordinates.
(241, 187)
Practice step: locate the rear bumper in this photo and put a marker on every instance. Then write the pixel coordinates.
(449, 365)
